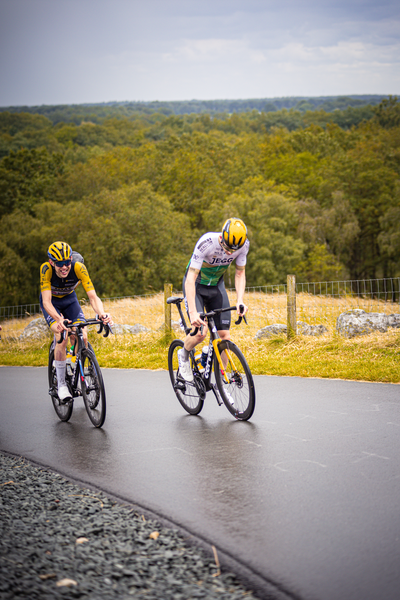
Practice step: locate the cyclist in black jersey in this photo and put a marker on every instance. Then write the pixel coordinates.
(59, 277)
(203, 283)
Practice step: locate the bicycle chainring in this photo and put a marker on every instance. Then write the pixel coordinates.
(200, 385)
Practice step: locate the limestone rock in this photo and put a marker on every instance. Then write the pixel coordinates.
(132, 329)
(306, 329)
(281, 329)
(394, 320)
(271, 330)
(358, 322)
(35, 330)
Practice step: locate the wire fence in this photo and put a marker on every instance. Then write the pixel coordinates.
(321, 303)
(316, 303)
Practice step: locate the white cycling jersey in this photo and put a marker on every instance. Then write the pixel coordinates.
(210, 258)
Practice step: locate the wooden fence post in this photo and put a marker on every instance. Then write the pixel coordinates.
(167, 307)
(291, 306)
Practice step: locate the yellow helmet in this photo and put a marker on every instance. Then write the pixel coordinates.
(59, 252)
(234, 234)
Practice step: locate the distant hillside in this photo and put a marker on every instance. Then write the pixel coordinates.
(97, 112)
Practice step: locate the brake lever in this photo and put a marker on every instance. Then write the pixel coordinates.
(196, 329)
(62, 338)
(105, 326)
(241, 317)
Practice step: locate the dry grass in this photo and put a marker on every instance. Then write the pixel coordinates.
(374, 357)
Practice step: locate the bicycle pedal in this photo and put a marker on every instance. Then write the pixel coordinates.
(66, 401)
(180, 386)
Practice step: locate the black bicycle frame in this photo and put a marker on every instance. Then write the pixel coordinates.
(78, 369)
(206, 374)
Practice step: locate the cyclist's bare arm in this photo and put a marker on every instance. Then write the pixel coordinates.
(190, 290)
(98, 307)
(240, 286)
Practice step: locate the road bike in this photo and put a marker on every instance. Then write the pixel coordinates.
(83, 375)
(234, 382)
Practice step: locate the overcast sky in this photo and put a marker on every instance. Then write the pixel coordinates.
(86, 51)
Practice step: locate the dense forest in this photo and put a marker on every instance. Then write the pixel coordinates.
(318, 187)
(97, 112)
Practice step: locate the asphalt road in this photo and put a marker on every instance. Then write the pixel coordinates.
(305, 497)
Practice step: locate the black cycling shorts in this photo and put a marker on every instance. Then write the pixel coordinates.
(210, 297)
(68, 306)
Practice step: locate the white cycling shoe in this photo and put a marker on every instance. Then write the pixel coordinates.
(63, 393)
(227, 395)
(185, 369)
(229, 398)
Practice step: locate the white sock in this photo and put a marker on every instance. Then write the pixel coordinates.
(185, 353)
(60, 366)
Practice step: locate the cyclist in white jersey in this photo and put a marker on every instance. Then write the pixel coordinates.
(203, 283)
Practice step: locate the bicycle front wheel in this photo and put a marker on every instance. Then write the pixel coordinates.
(63, 409)
(93, 392)
(238, 393)
(190, 395)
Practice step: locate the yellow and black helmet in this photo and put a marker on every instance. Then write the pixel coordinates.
(59, 252)
(234, 234)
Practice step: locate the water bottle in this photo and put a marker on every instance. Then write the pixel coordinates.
(71, 362)
(204, 354)
(69, 365)
(197, 358)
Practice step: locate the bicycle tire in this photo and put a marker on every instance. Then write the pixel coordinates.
(240, 388)
(93, 391)
(190, 395)
(63, 409)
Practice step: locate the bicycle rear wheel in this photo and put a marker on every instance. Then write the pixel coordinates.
(238, 394)
(190, 395)
(63, 409)
(93, 392)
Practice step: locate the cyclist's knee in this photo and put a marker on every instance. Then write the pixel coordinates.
(224, 334)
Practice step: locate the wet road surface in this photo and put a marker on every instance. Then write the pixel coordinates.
(306, 495)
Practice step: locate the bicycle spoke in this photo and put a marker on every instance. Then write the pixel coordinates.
(237, 391)
(93, 390)
(190, 395)
(63, 409)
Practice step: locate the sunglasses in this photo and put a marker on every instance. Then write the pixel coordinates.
(62, 263)
(225, 247)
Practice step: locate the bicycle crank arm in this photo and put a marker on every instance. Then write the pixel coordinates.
(90, 389)
(179, 385)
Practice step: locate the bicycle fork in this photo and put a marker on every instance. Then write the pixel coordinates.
(219, 359)
(215, 344)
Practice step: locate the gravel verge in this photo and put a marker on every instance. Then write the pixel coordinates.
(60, 540)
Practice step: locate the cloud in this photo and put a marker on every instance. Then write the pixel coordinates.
(212, 50)
(64, 51)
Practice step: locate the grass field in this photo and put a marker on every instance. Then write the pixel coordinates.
(373, 357)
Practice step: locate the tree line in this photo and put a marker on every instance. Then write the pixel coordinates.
(318, 191)
(98, 112)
